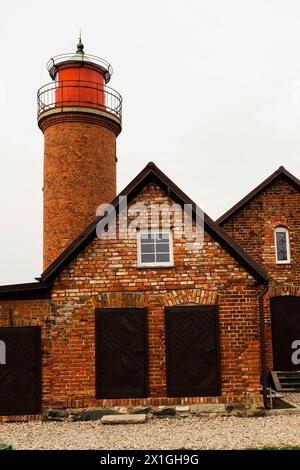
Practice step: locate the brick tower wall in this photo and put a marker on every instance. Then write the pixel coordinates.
(79, 174)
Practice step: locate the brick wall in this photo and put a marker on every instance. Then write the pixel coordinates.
(105, 274)
(253, 228)
(79, 174)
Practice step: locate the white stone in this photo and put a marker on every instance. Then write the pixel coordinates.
(124, 419)
(182, 408)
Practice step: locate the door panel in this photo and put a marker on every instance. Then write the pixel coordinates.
(121, 353)
(20, 370)
(285, 318)
(192, 339)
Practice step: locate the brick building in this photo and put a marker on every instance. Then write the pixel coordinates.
(266, 223)
(142, 317)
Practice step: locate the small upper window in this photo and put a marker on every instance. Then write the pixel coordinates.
(282, 245)
(155, 249)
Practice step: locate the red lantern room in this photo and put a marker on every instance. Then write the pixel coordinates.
(80, 81)
(80, 117)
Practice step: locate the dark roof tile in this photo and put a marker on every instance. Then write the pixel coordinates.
(280, 173)
(151, 173)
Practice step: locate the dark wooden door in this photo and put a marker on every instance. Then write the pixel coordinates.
(285, 319)
(20, 370)
(121, 353)
(192, 340)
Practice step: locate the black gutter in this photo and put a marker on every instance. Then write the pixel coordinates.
(262, 292)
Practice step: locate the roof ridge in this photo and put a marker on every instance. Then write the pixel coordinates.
(152, 173)
(281, 171)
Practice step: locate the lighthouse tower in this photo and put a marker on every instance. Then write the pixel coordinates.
(80, 117)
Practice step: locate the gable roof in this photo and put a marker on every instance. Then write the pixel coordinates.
(280, 173)
(27, 291)
(151, 173)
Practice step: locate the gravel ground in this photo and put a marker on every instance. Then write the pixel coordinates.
(168, 433)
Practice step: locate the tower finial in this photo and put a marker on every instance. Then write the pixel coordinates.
(80, 46)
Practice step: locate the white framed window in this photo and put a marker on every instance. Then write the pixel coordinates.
(155, 248)
(282, 245)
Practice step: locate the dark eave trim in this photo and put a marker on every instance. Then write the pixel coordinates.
(280, 173)
(151, 173)
(27, 291)
(235, 250)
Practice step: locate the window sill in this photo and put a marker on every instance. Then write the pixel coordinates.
(171, 266)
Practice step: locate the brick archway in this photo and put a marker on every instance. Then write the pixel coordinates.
(171, 298)
(280, 290)
(119, 300)
(191, 296)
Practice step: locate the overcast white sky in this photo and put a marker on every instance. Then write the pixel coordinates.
(211, 93)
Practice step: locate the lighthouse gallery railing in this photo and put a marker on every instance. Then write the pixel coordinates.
(79, 93)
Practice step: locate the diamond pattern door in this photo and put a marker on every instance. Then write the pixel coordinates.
(285, 321)
(192, 340)
(20, 370)
(121, 353)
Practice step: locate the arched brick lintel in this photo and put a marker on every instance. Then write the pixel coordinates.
(276, 291)
(119, 300)
(190, 296)
(171, 298)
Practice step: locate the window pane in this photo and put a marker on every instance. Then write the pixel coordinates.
(163, 258)
(147, 247)
(281, 246)
(147, 238)
(162, 248)
(162, 237)
(148, 258)
(155, 247)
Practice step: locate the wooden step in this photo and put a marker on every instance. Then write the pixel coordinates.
(286, 381)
